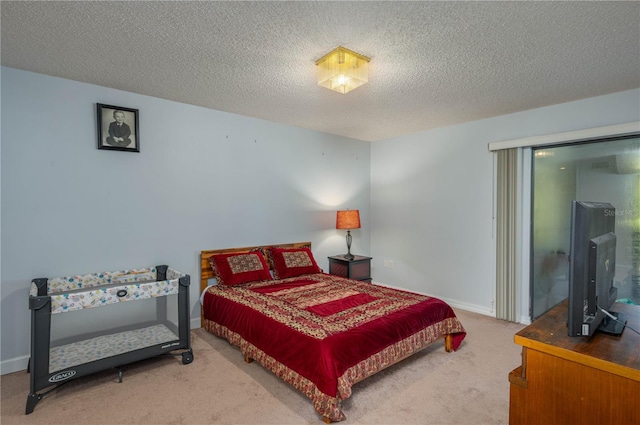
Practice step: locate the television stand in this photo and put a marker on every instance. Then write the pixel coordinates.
(611, 326)
(576, 380)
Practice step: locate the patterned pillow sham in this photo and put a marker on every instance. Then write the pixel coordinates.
(292, 262)
(239, 267)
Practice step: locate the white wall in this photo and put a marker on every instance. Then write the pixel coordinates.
(204, 179)
(433, 195)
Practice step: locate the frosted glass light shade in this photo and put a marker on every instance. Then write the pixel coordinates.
(342, 70)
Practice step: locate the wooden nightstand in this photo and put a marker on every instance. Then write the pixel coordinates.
(359, 268)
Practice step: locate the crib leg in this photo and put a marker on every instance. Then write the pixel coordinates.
(32, 400)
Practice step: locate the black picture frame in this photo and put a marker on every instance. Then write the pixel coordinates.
(118, 138)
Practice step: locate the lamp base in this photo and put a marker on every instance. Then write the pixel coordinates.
(348, 255)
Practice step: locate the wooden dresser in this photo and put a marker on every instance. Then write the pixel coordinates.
(576, 380)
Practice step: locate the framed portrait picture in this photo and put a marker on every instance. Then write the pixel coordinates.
(118, 128)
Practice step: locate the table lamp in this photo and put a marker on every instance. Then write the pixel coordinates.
(348, 219)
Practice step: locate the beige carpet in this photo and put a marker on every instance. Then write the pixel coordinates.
(469, 386)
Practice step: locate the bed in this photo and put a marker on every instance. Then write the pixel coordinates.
(318, 332)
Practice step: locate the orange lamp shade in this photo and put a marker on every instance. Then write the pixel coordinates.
(348, 219)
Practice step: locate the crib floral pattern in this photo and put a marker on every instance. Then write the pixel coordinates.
(101, 347)
(118, 286)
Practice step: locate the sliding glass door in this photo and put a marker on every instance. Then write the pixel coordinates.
(603, 171)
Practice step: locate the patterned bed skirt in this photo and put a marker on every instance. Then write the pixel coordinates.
(327, 406)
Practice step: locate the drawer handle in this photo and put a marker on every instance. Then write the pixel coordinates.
(122, 293)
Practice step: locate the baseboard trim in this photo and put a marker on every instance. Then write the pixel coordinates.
(469, 307)
(195, 323)
(474, 308)
(525, 320)
(14, 365)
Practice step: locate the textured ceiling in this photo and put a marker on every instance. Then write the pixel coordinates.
(433, 64)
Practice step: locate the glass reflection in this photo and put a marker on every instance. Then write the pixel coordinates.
(606, 171)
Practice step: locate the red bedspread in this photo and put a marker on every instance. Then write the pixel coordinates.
(323, 333)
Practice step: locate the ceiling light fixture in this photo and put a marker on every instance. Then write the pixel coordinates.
(342, 70)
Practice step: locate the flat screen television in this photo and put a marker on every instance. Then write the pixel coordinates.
(592, 269)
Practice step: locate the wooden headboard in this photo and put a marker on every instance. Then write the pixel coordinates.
(205, 268)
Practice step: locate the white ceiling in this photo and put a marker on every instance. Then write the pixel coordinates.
(433, 64)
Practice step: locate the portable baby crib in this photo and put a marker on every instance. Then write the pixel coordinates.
(143, 313)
